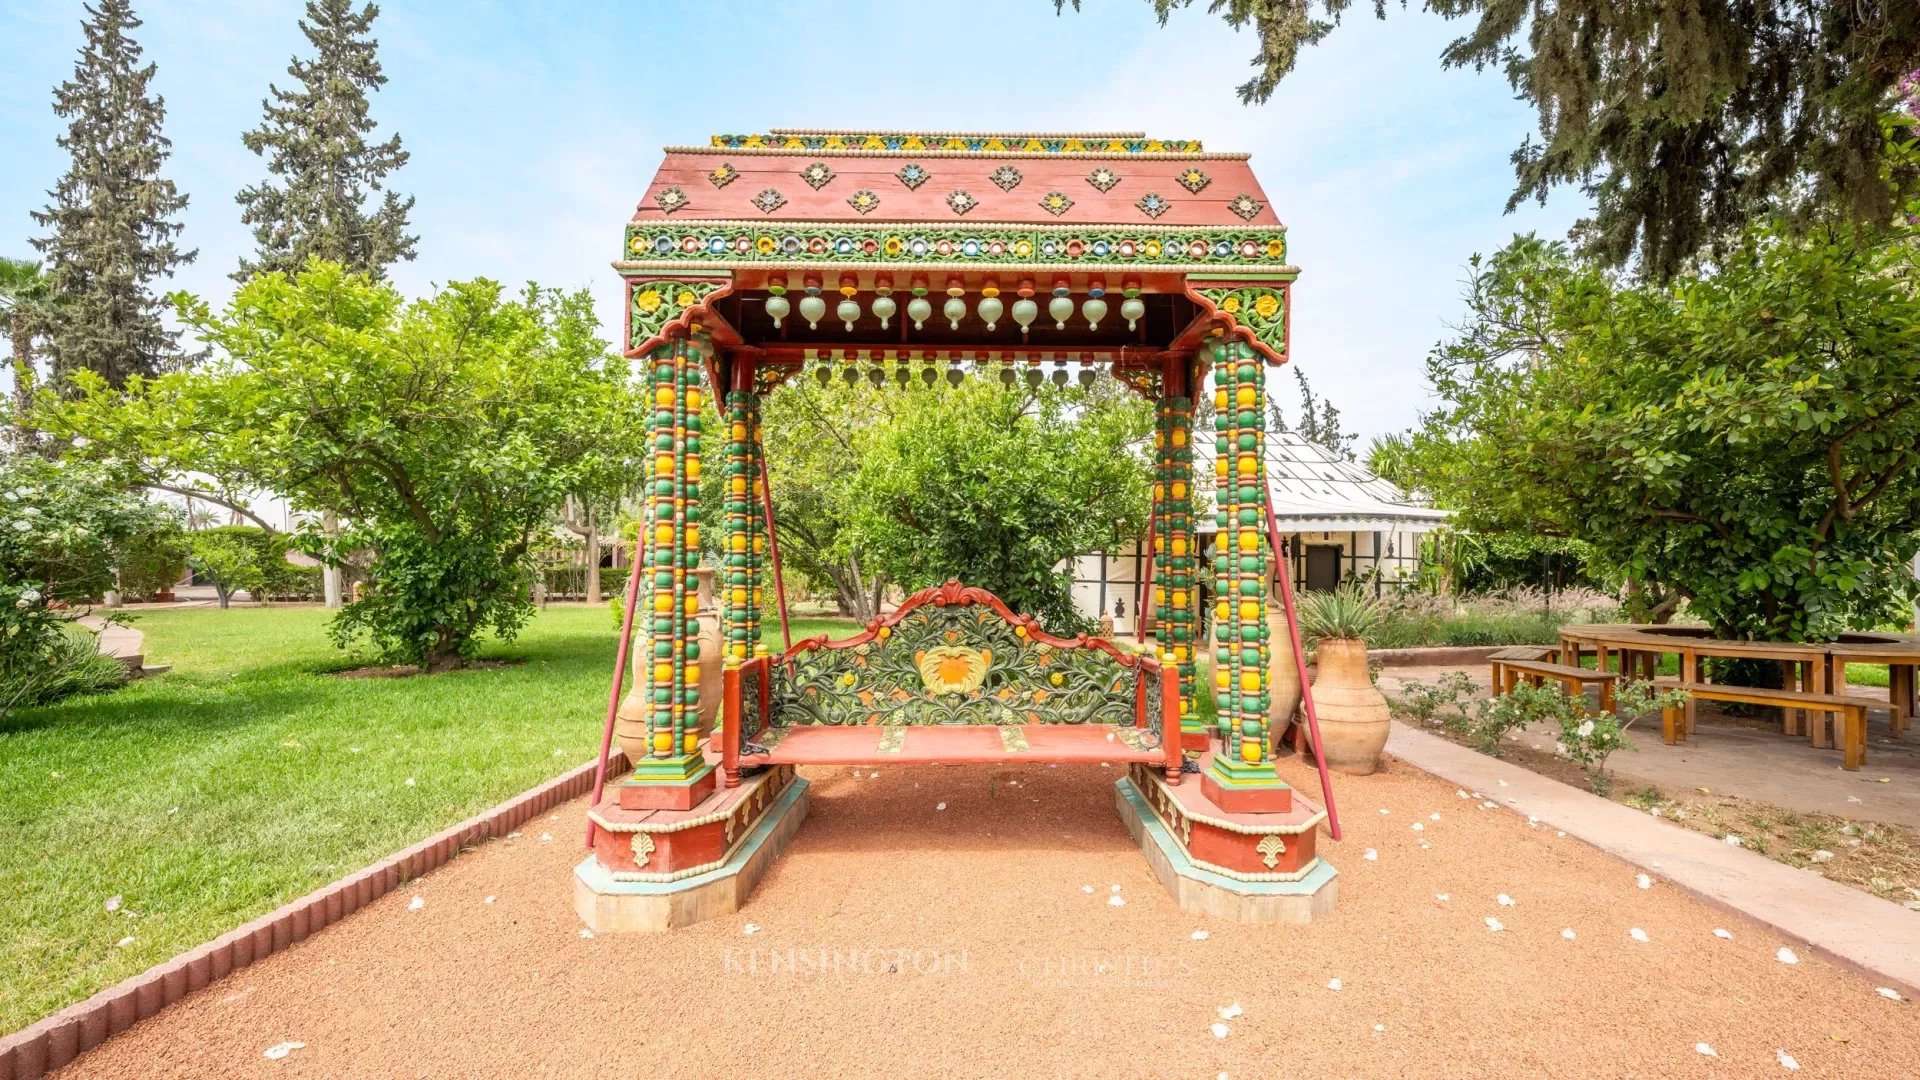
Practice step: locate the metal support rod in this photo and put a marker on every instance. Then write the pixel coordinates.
(1145, 584)
(619, 677)
(773, 544)
(1300, 665)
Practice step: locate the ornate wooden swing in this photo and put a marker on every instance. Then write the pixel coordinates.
(726, 239)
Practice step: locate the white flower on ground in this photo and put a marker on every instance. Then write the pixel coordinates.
(1459, 793)
(1853, 798)
(125, 941)
(1113, 888)
(1370, 855)
(1418, 827)
(1822, 855)
(488, 900)
(1116, 901)
(1704, 1050)
(409, 781)
(1442, 897)
(1433, 816)
(1731, 840)
(1495, 925)
(1786, 956)
(1567, 933)
(1722, 934)
(1786, 1061)
(280, 1050)
(1086, 889)
(1379, 1027)
(1219, 1031)
(1199, 935)
(1230, 1012)
(585, 933)
(1889, 993)
(1643, 881)
(1333, 984)
(417, 903)
(113, 904)
(1503, 900)
(1503, 783)
(1384, 810)
(750, 928)
(941, 806)
(546, 836)
(1638, 934)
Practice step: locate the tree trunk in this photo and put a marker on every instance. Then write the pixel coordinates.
(223, 594)
(331, 579)
(443, 656)
(593, 558)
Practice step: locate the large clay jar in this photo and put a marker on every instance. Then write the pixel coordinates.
(1353, 713)
(630, 722)
(1283, 684)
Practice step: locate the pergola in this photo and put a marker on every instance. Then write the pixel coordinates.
(895, 255)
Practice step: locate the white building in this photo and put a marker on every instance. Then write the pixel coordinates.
(1341, 523)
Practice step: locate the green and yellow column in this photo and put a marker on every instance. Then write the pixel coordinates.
(1174, 559)
(736, 597)
(1241, 776)
(757, 525)
(674, 774)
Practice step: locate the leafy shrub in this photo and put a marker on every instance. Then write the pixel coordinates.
(153, 563)
(70, 664)
(229, 561)
(1346, 612)
(1438, 703)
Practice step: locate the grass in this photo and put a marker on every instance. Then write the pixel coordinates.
(249, 776)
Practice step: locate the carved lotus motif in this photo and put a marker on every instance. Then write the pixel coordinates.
(953, 669)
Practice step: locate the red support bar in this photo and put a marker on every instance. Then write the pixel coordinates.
(1145, 585)
(1283, 571)
(619, 677)
(773, 550)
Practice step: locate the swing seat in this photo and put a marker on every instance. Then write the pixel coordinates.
(953, 677)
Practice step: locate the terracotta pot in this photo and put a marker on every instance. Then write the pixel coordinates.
(630, 722)
(1284, 680)
(1353, 713)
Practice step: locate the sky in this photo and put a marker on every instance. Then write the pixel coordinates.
(535, 126)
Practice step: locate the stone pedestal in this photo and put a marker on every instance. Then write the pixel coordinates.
(1248, 867)
(662, 869)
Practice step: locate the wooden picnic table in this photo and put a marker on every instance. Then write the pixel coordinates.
(1813, 669)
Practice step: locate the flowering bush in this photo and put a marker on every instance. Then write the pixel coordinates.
(62, 529)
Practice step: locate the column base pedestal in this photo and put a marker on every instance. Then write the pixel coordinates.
(1247, 867)
(663, 870)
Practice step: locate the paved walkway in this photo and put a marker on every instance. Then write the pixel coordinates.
(1850, 926)
(1732, 758)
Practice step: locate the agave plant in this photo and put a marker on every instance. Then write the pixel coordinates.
(1346, 612)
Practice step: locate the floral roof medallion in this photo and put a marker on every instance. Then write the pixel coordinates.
(863, 201)
(723, 175)
(1193, 180)
(1103, 178)
(816, 175)
(1055, 203)
(671, 199)
(1006, 177)
(1152, 205)
(769, 200)
(1246, 206)
(913, 176)
(961, 201)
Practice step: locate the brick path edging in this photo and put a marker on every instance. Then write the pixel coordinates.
(40, 1048)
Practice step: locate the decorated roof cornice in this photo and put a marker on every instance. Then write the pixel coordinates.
(982, 245)
(957, 144)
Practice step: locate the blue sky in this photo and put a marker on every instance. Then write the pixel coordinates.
(535, 126)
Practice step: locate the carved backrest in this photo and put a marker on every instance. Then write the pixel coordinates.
(955, 655)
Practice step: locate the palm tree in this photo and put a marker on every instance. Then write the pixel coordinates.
(23, 301)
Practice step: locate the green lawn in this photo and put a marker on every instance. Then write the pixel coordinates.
(248, 776)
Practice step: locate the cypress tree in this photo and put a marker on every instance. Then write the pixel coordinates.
(324, 172)
(111, 216)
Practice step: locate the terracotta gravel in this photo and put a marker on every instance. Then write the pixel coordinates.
(967, 947)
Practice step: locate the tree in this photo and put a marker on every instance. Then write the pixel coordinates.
(228, 561)
(1682, 119)
(23, 295)
(1319, 420)
(444, 431)
(997, 485)
(323, 170)
(1747, 439)
(111, 218)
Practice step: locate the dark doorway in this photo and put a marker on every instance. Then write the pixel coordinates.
(1323, 567)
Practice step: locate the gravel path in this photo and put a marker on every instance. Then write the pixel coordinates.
(895, 939)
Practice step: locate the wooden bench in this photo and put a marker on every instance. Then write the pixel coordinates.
(1499, 660)
(1850, 714)
(1575, 679)
(951, 678)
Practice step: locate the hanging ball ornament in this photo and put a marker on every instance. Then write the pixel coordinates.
(1094, 309)
(884, 308)
(955, 309)
(848, 312)
(777, 308)
(1061, 306)
(919, 311)
(1024, 312)
(812, 309)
